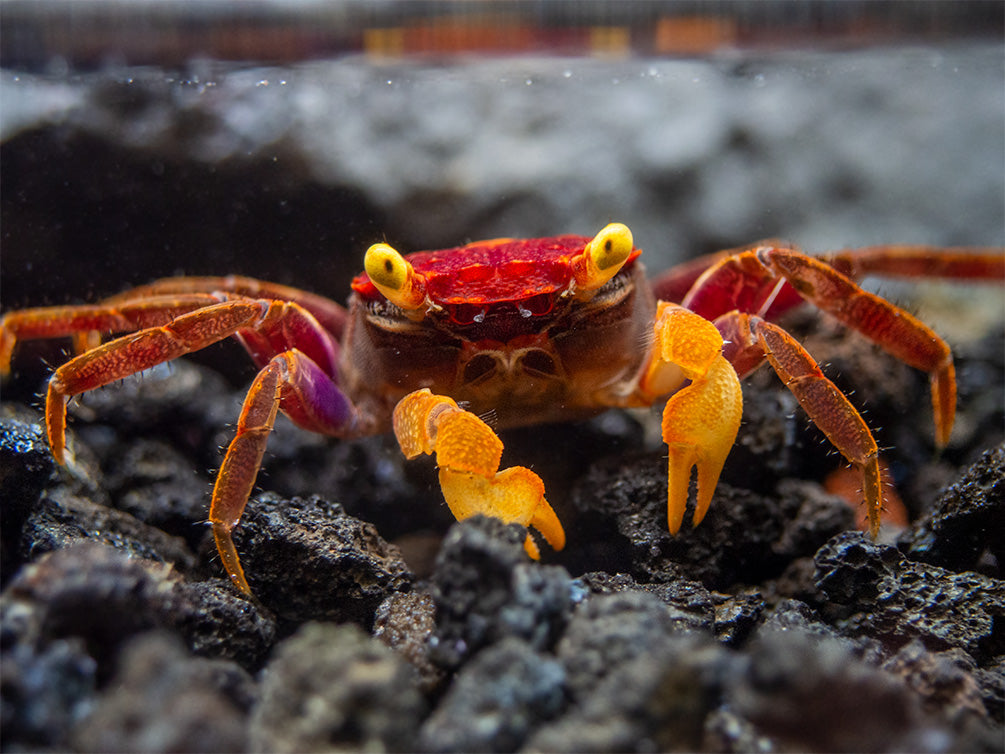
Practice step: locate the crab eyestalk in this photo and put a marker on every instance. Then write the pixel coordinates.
(395, 278)
(603, 257)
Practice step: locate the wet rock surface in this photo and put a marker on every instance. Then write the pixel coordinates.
(307, 559)
(874, 591)
(377, 622)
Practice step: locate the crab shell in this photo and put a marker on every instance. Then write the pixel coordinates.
(503, 331)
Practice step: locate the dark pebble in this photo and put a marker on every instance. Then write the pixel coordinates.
(45, 692)
(163, 700)
(496, 701)
(966, 522)
(63, 518)
(486, 588)
(881, 594)
(333, 688)
(689, 604)
(609, 630)
(25, 467)
(744, 538)
(307, 559)
(405, 622)
(811, 694)
(104, 597)
(656, 700)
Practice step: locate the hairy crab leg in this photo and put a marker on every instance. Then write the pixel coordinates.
(292, 382)
(301, 384)
(66, 321)
(894, 330)
(468, 453)
(330, 315)
(962, 263)
(751, 340)
(746, 281)
(896, 260)
(141, 350)
(700, 420)
(171, 327)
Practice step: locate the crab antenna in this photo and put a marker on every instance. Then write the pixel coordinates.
(394, 277)
(603, 257)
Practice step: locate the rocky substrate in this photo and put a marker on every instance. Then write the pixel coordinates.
(380, 625)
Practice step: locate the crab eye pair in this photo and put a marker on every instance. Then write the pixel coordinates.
(600, 260)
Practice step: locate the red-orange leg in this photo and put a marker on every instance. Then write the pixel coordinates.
(141, 350)
(292, 382)
(237, 475)
(896, 260)
(84, 322)
(752, 339)
(894, 330)
(755, 281)
(330, 315)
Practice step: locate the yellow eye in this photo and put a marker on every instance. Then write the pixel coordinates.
(386, 267)
(394, 277)
(604, 256)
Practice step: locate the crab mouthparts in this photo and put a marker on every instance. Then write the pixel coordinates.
(518, 372)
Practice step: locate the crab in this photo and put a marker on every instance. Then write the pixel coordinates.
(522, 330)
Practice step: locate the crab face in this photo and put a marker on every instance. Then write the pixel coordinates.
(528, 328)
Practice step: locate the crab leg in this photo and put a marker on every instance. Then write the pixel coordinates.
(295, 384)
(963, 263)
(268, 327)
(752, 340)
(700, 420)
(141, 350)
(894, 330)
(468, 453)
(65, 321)
(752, 281)
(330, 316)
(299, 382)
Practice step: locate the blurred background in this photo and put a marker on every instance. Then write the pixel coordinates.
(280, 139)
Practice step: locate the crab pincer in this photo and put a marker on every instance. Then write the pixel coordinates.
(468, 453)
(701, 419)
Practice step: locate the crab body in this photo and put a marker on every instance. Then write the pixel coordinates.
(519, 332)
(504, 334)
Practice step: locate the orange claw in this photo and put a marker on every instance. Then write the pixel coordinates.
(469, 452)
(701, 420)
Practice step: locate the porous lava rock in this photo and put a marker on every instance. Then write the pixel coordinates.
(966, 521)
(306, 558)
(333, 688)
(486, 588)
